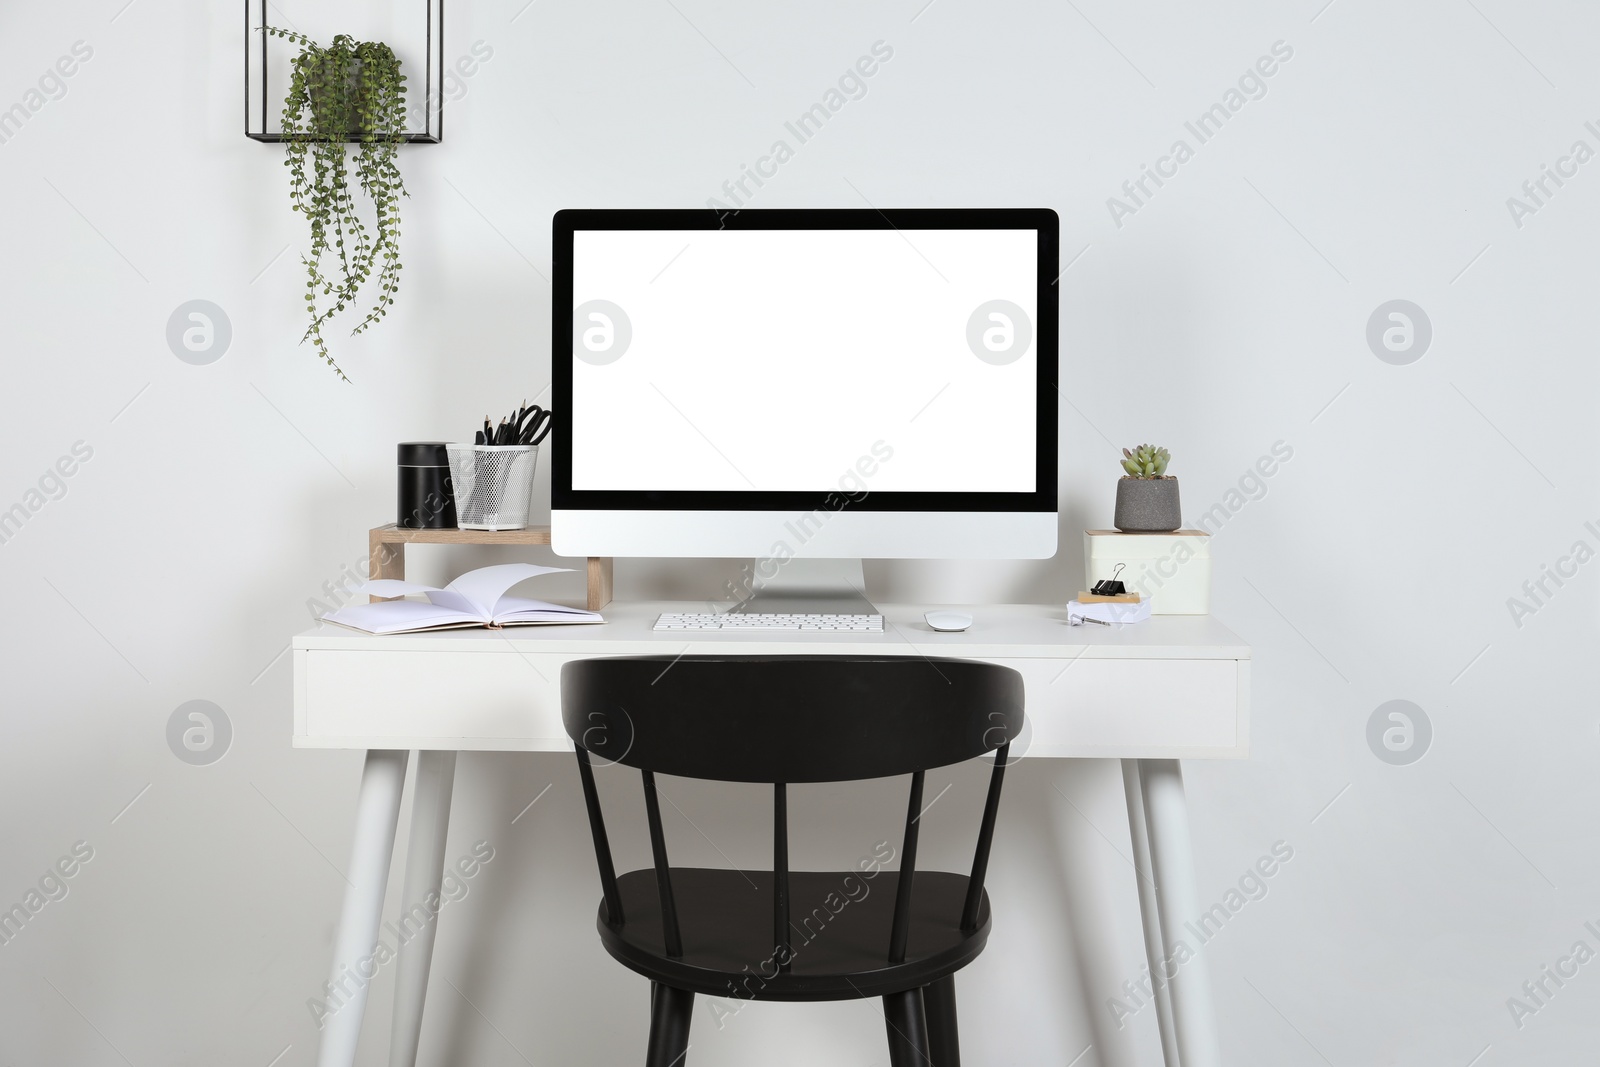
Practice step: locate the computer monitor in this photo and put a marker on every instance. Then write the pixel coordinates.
(805, 383)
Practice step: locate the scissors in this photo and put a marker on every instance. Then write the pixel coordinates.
(534, 425)
(526, 426)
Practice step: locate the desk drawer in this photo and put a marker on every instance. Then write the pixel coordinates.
(449, 700)
(498, 700)
(1149, 708)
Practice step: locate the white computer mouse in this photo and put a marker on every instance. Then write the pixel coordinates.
(948, 621)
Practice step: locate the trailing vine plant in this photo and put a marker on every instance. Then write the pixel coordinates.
(348, 90)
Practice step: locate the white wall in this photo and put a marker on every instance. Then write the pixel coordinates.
(1226, 314)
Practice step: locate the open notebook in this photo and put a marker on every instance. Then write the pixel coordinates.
(477, 598)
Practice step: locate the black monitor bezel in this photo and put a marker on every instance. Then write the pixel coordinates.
(563, 497)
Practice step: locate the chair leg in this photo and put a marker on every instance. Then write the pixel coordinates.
(907, 1023)
(670, 1010)
(944, 1045)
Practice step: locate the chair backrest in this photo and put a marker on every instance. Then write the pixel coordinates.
(782, 720)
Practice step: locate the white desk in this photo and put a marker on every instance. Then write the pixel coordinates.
(1175, 687)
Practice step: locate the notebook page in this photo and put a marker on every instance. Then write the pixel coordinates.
(480, 590)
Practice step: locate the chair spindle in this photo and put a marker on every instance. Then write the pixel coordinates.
(901, 928)
(980, 856)
(780, 874)
(658, 848)
(602, 844)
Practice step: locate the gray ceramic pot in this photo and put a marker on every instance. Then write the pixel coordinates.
(1148, 505)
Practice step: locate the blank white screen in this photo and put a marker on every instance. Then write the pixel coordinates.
(775, 360)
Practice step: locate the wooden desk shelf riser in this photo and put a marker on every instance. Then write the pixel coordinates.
(387, 552)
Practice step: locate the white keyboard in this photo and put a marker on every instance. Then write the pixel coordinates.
(694, 620)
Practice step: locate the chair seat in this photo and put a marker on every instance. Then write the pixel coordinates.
(839, 933)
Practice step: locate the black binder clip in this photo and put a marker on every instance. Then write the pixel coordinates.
(1110, 586)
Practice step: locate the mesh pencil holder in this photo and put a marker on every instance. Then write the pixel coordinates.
(493, 485)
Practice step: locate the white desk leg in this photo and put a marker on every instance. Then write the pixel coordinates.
(1172, 857)
(1154, 944)
(430, 820)
(377, 811)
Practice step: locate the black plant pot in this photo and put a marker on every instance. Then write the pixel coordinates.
(1148, 505)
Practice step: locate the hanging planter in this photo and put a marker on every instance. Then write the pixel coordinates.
(348, 92)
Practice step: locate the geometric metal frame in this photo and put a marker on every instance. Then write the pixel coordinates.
(433, 78)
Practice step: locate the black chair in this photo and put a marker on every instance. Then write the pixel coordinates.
(800, 935)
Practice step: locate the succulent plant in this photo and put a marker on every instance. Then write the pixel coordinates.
(1146, 461)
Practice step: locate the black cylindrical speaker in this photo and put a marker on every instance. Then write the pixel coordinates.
(425, 500)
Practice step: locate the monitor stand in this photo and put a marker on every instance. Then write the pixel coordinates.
(805, 586)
